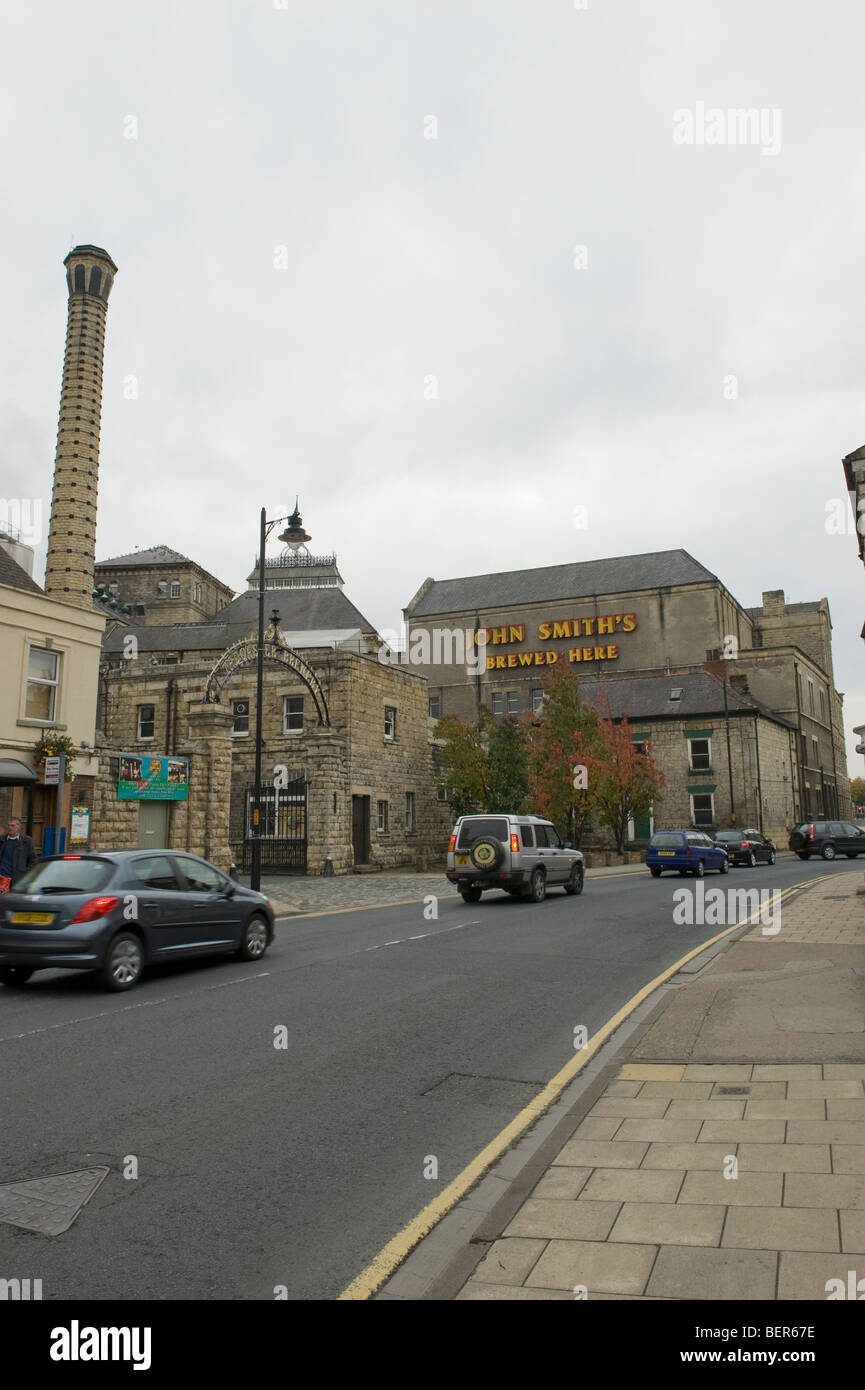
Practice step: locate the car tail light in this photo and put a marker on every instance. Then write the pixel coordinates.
(810, 832)
(72, 856)
(515, 844)
(95, 908)
(452, 843)
(745, 844)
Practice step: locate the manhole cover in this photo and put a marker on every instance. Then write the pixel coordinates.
(734, 1090)
(49, 1205)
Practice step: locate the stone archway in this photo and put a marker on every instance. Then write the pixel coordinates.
(276, 651)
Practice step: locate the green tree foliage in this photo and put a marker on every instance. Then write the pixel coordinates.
(486, 767)
(507, 766)
(857, 791)
(465, 761)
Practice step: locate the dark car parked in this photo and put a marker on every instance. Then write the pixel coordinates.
(117, 912)
(746, 847)
(689, 851)
(828, 838)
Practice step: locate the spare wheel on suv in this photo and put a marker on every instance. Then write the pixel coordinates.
(486, 853)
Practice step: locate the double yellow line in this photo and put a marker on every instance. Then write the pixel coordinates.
(396, 1250)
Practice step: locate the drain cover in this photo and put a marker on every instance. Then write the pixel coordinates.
(734, 1090)
(49, 1205)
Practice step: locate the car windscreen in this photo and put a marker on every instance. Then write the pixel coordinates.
(472, 830)
(672, 840)
(65, 875)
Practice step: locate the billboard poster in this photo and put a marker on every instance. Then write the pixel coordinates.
(142, 777)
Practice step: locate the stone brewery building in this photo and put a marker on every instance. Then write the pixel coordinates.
(348, 777)
(738, 704)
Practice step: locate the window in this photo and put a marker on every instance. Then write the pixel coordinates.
(498, 704)
(155, 872)
(409, 810)
(804, 738)
(537, 701)
(240, 711)
(146, 720)
(435, 707)
(200, 877)
(702, 808)
(513, 702)
(816, 747)
(389, 723)
(527, 836)
(811, 694)
(822, 704)
(292, 714)
(175, 588)
(382, 817)
(42, 681)
(700, 754)
(441, 792)
(196, 593)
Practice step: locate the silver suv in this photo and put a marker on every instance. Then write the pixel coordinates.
(521, 854)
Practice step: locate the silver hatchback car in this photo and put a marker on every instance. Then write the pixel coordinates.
(521, 854)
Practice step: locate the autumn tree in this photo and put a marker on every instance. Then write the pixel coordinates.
(564, 753)
(627, 782)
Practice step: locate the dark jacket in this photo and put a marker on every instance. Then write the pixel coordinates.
(24, 854)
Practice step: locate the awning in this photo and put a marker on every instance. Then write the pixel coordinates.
(15, 774)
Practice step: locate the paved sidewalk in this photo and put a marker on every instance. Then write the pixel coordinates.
(719, 1155)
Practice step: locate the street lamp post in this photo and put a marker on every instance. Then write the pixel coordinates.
(295, 536)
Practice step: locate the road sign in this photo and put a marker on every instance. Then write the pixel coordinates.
(52, 772)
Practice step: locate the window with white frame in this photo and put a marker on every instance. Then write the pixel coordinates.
(240, 713)
(513, 702)
(409, 810)
(389, 722)
(382, 817)
(700, 754)
(441, 792)
(702, 808)
(175, 588)
(146, 721)
(43, 680)
(498, 704)
(292, 714)
(196, 593)
(537, 701)
(435, 707)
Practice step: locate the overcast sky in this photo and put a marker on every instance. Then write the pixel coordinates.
(316, 297)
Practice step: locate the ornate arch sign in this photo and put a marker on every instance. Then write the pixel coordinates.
(276, 651)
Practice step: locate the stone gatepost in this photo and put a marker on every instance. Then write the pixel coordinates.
(209, 748)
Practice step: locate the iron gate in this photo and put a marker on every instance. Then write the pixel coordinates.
(283, 827)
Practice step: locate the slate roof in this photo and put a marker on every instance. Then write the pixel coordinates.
(648, 697)
(580, 579)
(300, 610)
(156, 555)
(12, 574)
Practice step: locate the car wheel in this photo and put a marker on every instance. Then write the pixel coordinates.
(724, 867)
(470, 895)
(771, 859)
(700, 869)
(486, 853)
(829, 851)
(124, 962)
(575, 882)
(752, 860)
(538, 886)
(253, 943)
(14, 975)
(654, 871)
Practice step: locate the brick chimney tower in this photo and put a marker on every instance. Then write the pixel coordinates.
(90, 274)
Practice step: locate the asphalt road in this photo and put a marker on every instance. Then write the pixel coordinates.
(263, 1166)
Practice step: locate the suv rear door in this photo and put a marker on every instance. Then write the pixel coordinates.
(553, 856)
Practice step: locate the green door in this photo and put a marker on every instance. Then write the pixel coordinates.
(642, 827)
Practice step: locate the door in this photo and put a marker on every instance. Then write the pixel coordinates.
(154, 896)
(551, 854)
(360, 828)
(210, 917)
(153, 824)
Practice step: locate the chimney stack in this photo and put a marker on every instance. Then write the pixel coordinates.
(90, 274)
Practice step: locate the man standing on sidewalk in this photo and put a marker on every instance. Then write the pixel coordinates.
(16, 854)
